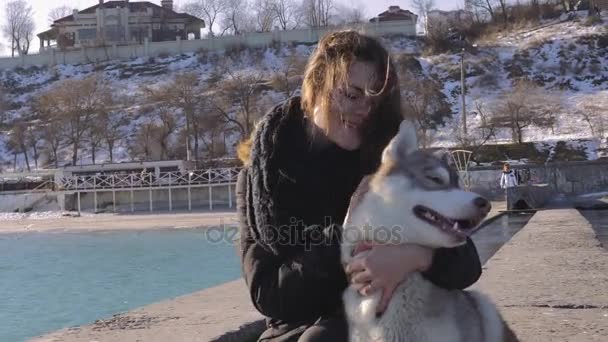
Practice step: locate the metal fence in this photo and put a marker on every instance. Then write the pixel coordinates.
(147, 181)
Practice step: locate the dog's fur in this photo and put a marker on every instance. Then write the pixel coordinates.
(418, 311)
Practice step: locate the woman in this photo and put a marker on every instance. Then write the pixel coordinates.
(302, 165)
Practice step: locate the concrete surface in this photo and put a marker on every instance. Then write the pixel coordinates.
(201, 316)
(550, 281)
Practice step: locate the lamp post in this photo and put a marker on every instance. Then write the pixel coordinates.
(463, 93)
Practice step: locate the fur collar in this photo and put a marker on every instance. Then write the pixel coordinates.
(272, 141)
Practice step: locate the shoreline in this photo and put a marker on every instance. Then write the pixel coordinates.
(120, 222)
(90, 222)
(560, 242)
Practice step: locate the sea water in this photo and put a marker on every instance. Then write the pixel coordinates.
(49, 281)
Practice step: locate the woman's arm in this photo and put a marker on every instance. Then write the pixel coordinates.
(299, 283)
(455, 268)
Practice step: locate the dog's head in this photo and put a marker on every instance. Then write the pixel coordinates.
(418, 192)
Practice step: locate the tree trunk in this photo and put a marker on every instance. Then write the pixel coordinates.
(490, 10)
(520, 138)
(195, 129)
(55, 156)
(27, 160)
(36, 156)
(74, 154)
(505, 17)
(93, 150)
(111, 149)
(15, 162)
(187, 138)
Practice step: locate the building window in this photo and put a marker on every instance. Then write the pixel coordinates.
(88, 34)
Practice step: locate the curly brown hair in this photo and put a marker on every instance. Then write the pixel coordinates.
(328, 69)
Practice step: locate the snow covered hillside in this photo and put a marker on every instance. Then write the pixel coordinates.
(568, 60)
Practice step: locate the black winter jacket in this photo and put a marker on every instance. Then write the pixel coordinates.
(291, 200)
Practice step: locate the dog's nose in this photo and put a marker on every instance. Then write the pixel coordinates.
(483, 204)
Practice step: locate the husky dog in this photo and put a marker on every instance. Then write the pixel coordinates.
(414, 198)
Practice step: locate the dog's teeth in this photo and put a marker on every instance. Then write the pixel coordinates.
(455, 227)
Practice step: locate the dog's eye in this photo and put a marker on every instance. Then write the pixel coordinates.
(435, 179)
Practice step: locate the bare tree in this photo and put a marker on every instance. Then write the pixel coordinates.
(237, 18)
(211, 126)
(484, 6)
(143, 141)
(209, 10)
(423, 7)
(287, 13)
(74, 103)
(522, 107)
(287, 76)
(423, 100)
(350, 14)
(478, 136)
(317, 13)
(19, 26)
(3, 105)
(94, 136)
(18, 140)
(265, 15)
(34, 140)
(112, 123)
(52, 134)
(59, 12)
(184, 94)
(504, 11)
(236, 99)
(595, 116)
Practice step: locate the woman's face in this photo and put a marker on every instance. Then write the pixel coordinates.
(350, 107)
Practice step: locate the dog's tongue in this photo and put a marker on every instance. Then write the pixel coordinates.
(362, 246)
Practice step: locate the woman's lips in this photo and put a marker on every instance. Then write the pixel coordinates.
(351, 124)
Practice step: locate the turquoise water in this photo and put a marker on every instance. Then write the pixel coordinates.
(53, 280)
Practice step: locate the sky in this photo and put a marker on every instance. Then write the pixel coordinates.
(42, 8)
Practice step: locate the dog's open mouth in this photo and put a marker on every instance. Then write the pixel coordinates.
(457, 227)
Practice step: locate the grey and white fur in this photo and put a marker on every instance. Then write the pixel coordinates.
(415, 198)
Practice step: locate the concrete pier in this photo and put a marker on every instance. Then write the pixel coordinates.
(221, 314)
(551, 280)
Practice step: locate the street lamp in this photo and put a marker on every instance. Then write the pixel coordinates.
(463, 93)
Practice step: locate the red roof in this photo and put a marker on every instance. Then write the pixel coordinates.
(394, 13)
(133, 6)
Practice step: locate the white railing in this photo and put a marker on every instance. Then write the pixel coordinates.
(174, 179)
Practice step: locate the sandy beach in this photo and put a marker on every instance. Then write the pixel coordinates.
(100, 222)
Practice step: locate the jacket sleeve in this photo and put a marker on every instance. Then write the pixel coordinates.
(455, 268)
(297, 285)
(502, 180)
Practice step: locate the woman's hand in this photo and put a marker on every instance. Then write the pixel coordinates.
(385, 267)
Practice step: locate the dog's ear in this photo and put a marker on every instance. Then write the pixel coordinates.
(403, 143)
(445, 156)
(408, 140)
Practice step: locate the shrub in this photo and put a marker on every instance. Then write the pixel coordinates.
(593, 20)
(234, 50)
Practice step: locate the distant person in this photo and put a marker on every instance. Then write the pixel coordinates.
(508, 182)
